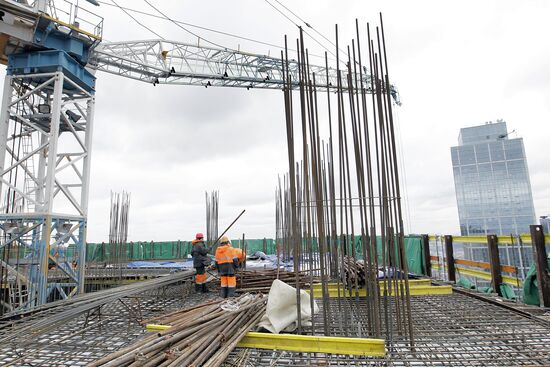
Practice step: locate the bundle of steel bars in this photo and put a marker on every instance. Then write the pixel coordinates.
(203, 335)
(118, 233)
(341, 196)
(261, 280)
(354, 271)
(211, 217)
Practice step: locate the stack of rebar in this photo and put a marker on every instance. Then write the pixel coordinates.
(118, 233)
(354, 271)
(341, 196)
(261, 280)
(203, 335)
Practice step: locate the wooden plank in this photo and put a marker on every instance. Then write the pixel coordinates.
(484, 265)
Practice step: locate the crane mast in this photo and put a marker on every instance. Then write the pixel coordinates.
(46, 126)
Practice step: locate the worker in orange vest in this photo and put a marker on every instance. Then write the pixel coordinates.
(240, 254)
(226, 263)
(200, 261)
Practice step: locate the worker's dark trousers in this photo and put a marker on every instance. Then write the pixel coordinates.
(227, 286)
(200, 280)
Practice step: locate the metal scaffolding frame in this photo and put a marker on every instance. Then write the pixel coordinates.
(46, 126)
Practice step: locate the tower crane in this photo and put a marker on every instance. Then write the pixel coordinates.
(52, 54)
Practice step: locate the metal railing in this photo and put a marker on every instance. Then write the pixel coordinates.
(492, 263)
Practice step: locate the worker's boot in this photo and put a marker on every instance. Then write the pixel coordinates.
(230, 292)
(223, 292)
(204, 288)
(198, 287)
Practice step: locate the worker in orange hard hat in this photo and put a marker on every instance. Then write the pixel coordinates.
(200, 262)
(226, 263)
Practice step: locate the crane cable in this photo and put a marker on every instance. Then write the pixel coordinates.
(308, 25)
(136, 11)
(137, 21)
(182, 27)
(195, 26)
(298, 26)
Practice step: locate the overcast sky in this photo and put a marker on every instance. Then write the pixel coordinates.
(455, 64)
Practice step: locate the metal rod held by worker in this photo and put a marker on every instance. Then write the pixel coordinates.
(227, 229)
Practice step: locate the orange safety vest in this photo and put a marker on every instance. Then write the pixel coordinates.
(239, 254)
(224, 254)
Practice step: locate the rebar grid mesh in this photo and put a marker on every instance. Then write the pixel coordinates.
(92, 336)
(450, 330)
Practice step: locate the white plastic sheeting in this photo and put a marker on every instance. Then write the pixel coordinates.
(281, 312)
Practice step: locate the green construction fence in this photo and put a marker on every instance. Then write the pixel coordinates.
(164, 250)
(173, 250)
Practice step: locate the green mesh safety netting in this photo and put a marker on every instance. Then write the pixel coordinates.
(173, 250)
(465, 283)
(170, 250)
(507, 291)
(167, 250)
(485, 289)
(414, 253)
(531, 286)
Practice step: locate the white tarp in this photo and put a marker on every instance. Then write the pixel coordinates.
(281, 312)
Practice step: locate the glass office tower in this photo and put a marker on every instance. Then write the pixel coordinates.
(492, 185)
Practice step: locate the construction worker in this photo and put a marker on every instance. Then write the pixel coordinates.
(226, 263)
(240, 254)
(200, 261)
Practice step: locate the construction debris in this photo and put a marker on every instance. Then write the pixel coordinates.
(355, 271)
(281, 304)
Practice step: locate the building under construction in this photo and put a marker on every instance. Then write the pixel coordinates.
(340, 283)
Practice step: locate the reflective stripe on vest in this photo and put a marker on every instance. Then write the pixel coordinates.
(224, 254)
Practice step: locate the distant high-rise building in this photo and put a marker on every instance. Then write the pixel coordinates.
(492, 185)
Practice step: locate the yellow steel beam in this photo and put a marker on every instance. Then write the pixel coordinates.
(526, 238)
(157, 327)
(305, 343)
(412, 283)
(487, 276)
(421, 290)
(483, 275)
(316, 344)
(502, 240)
(470, 239)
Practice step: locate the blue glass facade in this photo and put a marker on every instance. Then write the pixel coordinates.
(493, 189)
